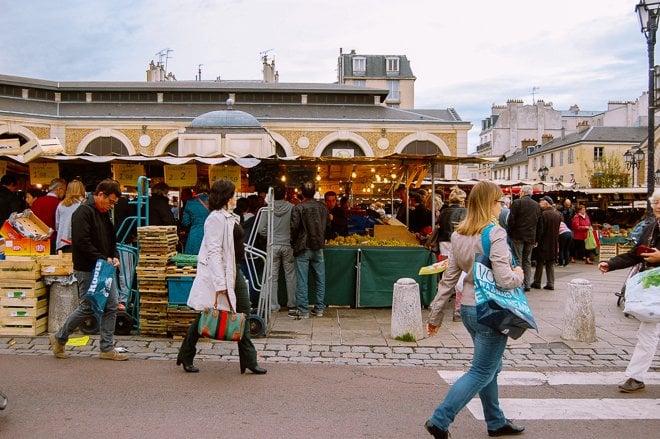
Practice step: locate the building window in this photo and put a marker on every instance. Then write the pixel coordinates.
(359, 66)
(598, 153)
(535, 164)
(561, 158)
(571, 159)
(392, 66)
(359, 82)
(552, 159)
(393, 87)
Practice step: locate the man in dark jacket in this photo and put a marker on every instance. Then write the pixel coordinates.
(523, 221)
(9, 201)
(547, 237)
(160, 212)
(338, 225)
(93, 238)
(308, 224)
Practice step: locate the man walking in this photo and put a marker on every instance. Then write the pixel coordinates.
(93, 238)
(547, 237)
(309, 220)
(523, 220)
(282, 251)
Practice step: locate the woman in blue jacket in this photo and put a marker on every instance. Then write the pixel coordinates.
(194, 215)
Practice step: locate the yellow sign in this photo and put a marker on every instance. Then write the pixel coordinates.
(224, 172)
(43, 173)
(127, 174)
(180, 175)
(3, 167)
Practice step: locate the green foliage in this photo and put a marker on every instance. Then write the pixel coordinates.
(406, 337)
(610, 172)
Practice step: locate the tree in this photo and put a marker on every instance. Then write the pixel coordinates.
(608, 172)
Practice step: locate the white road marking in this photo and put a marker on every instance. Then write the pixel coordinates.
(522, 378)
(529, 409)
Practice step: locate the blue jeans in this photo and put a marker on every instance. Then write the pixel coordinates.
(523, 254)
(84, 311)
(481, 379)
(305, 260)
(565, 241)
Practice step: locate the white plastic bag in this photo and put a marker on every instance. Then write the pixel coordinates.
(643, 296)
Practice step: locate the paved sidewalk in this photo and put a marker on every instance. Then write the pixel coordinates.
(361, 336)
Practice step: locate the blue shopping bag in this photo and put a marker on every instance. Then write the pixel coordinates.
(506, 311)
(100, 286)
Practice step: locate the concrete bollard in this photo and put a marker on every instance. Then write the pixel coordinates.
(406, 309)
(63, 301)
(579, 318)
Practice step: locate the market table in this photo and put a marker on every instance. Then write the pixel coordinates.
(365, 276)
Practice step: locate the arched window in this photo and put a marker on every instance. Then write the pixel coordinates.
(424, 147)
(342, 148)
(173, 148)
(279, 150)
(106, 146)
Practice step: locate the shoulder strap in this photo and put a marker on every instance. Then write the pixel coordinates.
(206, 205)
(485, 238)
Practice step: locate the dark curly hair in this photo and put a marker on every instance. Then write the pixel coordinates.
(221, 192)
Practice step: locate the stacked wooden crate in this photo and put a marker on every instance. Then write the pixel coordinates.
(157, 246)
(23, 298)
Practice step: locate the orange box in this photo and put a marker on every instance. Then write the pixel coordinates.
(17, 245)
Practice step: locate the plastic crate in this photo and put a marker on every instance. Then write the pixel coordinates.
(179, 289)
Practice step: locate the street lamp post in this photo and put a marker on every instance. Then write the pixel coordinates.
(633, 161)
(543, 172)
(648, 14)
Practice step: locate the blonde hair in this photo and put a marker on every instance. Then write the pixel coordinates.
(480, 208)
(428, 203)
(457, 195)
(75, 191)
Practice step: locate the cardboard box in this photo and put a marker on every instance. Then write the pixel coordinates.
(18, 245)
(399, 233)
(10, 147)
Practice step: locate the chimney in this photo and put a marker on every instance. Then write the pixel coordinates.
(270, 74)
(545, 138)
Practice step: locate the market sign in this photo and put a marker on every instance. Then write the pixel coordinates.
(224, 172)
(127, 174)
(180, 175)
(43, 173)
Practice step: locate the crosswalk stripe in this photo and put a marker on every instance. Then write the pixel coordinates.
(523, 378)
(596, 409)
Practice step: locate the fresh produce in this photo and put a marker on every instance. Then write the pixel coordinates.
(368, 241)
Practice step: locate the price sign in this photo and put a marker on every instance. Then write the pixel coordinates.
(223, 172)
(127, 174)
(3, 167)
(180, 175)
(43, 173)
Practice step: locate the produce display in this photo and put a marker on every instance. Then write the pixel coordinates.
(368, 241)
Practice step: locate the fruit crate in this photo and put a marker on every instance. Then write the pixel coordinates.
(24, 311)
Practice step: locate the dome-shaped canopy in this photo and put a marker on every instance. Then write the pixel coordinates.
(225, 119)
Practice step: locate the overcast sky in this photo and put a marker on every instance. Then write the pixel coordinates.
(465, 54)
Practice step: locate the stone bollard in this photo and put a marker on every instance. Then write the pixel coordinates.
(406, 309)
(579, 319)
(63, 301)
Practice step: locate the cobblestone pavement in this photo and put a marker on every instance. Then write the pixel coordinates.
(361, 337)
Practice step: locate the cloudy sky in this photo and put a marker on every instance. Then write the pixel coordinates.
(465, 55)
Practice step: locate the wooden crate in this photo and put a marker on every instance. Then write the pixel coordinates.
(21, 289)
(179, 319)
(57, 265)
(27, 316)
(20, 267)
(607, 251)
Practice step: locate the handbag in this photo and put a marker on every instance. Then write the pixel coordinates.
(220, 324)
(643, 296)
(100, 286)
(590, 241)
(505, 311)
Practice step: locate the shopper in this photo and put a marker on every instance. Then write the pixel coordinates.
(93, 238)
(547, 237)
(282, 251)
(45, 208)
(565, 244)
(31, 195)
(308, 222)
(338, 222)
(9, 201)
(523, 221)
(581, 226)
(160, 212)
(75, 196)
(219, 279)
(648, 334)
(194, 217)
(483, 206)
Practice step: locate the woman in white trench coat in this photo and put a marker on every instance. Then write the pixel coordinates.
(219, 275)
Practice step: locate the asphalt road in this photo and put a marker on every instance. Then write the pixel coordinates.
(87, 397)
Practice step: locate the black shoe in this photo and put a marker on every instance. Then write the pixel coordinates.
(436, 432)
(548, 287)
(527, 289)
(536, 286)
(190, 368)
(255, 370)
(509, 429)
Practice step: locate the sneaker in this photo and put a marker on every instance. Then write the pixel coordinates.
(58, 348)
(317, 313)
(631, 385)
(113, 355)
(293, 313)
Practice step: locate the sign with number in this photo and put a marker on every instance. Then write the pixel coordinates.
(223, 172)
(180, 175)
(127, 174)
(3, 167)
(43, 173)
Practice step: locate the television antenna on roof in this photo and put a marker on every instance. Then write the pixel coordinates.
(264, 55)
(534, 90)
(164, 54)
